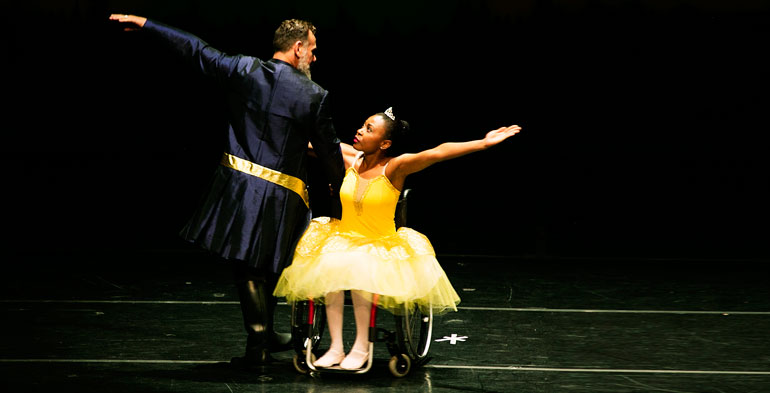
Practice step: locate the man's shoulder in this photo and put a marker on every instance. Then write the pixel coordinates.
(290, 76)
(305, 83)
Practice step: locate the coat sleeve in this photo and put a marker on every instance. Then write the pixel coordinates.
(327, 146)
(202, 56)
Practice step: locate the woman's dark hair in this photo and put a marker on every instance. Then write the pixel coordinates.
(395, 130)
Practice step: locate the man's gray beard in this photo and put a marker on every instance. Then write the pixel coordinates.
(304, 67)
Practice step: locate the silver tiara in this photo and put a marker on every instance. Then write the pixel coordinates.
(389, 113)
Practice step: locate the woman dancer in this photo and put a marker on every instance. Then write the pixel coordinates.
(363, 252)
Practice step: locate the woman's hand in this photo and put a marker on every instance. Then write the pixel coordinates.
(138, 21)
(496, 136)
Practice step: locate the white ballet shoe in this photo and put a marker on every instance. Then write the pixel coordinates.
(330, 358)
(355, 360)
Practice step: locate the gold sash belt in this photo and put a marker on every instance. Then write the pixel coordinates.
(273, 176)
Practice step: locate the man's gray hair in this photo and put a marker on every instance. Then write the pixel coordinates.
(291, 31)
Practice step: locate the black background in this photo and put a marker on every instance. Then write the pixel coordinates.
(644, 122)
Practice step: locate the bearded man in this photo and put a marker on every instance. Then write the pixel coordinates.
(257, 206)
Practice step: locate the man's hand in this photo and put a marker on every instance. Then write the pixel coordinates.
(136, 21)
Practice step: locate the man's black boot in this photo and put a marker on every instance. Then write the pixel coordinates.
(278, 342)
(257, 318)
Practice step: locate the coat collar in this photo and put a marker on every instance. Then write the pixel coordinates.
(279, 61)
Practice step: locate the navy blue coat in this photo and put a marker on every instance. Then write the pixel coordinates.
(273, 111)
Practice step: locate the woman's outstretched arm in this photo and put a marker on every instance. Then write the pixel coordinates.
(407, 164)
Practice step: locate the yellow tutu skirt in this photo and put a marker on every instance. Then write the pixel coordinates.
(401, 268)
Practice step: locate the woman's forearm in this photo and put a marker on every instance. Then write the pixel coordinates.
(450, 150)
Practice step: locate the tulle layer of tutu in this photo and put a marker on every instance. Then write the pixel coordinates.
(401, 268)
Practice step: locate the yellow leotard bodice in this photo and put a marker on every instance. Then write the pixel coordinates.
(368, 205)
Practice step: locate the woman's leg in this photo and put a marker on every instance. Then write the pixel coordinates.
(334, 312)
(359, 354)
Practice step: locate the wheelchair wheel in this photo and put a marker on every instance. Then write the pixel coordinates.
(400, 365)
(413, 331)
(307, 331)
(300, 362)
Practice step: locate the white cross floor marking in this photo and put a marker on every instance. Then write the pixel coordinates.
(453, 339)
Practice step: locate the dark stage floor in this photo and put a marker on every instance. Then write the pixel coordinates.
(167, 321)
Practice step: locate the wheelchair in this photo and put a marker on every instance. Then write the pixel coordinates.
(408, 344)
